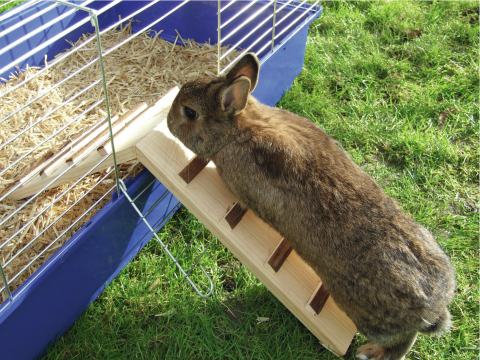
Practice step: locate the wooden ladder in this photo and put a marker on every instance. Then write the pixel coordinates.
(260, 248)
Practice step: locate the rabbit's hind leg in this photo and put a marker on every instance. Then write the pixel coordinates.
(393, 350)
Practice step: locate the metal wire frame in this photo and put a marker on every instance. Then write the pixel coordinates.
(91, 107)
(230, 3)
(94, 18)
(250, 18)
(53, 222)
(38, 215)
(304, 6)
(237, 14)
(53, 202)
(26, 203)
(69, 227)
(86, 66)
(93, 15)
(49, 113)
(57, 37)
(219, 34)
(164, 247)
(274, 24)
(105, 53)
(73, 50)
(270, 30)
(40, 28)
(292, 22)
(27, 20)
(235, 46)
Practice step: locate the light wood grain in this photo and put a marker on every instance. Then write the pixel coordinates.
(124, 143)
(89, 143)
(103, 137)
(55, 160)
(143, 124)
(251, 241)
(74, 173)
(69, 150)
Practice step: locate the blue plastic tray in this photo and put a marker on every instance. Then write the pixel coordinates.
(46, 305)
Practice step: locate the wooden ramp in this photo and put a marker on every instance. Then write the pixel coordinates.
(260, 248)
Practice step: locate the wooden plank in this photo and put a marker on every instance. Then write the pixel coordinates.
(318, 299)
(74, 146)
(233, 216)
(55, 160)
(117, 127)
(83, 168)
(251, 241)
(192, 169)
(37, 170)
(278, 257)
(143, 124)
(124, 149)
(88, 144)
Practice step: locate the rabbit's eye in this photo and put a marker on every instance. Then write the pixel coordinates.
(191, 114)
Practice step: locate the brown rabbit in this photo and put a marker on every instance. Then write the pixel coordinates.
(381, 267)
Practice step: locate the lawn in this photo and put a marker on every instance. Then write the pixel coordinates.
(8, 4)
(397, 84)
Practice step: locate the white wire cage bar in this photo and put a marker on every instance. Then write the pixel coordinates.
(282, 10)
(27, 20)
(74, 49)
(257, 26)
(246, 25)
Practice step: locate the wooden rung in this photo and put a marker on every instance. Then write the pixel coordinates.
(317, 300)
(278, 256)
(192, 169)
(233, 216)
(36, 171)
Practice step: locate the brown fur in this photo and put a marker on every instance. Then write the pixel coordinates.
(381, 267)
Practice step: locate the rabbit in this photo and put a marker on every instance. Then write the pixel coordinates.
(383, 269)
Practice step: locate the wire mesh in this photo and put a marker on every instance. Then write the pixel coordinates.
(274, 12)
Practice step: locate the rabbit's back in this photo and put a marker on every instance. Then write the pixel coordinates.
(380, 266)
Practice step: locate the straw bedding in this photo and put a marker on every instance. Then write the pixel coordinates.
(141, 70)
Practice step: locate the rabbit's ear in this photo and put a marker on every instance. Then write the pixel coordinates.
(248, 66)
(233, 96)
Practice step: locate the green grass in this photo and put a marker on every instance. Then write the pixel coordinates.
(377, 77)
(4, 8)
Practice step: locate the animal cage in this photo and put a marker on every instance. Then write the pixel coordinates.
(80, 83)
